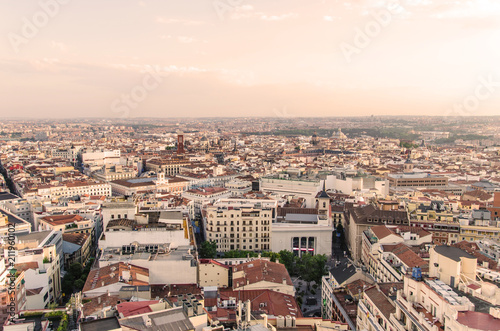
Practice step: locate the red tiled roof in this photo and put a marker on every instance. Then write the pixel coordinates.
(135, 308)
(261, 270)
(62, 219)
(262, 301)
(381, 231)
(26, 265)
(479, 321)
(111, 275)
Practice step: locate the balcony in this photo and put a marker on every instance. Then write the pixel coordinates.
(422, 319)
(370, 319)
(400, 326)
(394, 269)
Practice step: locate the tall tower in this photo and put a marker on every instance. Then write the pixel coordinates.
(180, 143)
(408, 165)
(323, 203)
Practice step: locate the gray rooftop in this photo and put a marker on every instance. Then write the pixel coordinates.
(8, 196)
(453, 253)
(13, 218)
(171, 215)
(116, 205)
(167, 320)
(70, 248)
(343, 271)
(302, 218)
(104, 324)
(38, 236)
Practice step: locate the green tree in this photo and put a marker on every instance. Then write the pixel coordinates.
(288, 259)
(272, 255)
(319, 268)
(208, 249)
(75, 269)
(79, 283)
(239, 254)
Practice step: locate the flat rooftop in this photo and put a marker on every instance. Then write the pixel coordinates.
(8, 196)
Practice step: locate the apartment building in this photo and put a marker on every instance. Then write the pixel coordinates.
(361, 218)
(431, 305)
(77, 248)
(213, 273)
(202, 197)
(117, 210)
(42, 273)
(66, 189)
(158, 185)
(9, 221)
(240, 224)
(16, 205)
(163, 245)
(286, 183)
(12, 292)
(114, 172)
(69, 223)
(417, 180)
(101, 157)
(262, 275)
(168, 167)
(478, 225)
(452, 265)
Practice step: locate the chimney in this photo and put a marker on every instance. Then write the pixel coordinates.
(238, 318)
(265, 319)
(249, 310)
(147, 321)
(99, 300)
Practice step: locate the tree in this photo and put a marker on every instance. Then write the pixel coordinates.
(319, 270)
(79, 283)
(75, 269)
(208, 249)
(272, 255)
(239, 254)
(288, 259)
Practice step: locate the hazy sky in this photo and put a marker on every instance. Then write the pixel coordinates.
(121, 58)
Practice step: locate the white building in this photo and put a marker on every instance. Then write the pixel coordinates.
(284, 184)
(101, 157)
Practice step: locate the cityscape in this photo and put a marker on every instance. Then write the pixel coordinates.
(353, 223)
(250, 165)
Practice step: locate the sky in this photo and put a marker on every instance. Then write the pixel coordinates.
(271, 58)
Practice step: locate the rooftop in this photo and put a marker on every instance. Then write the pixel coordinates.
(166, 320)
(478, 321)
(453, 253)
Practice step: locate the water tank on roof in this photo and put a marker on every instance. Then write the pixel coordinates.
(416, 273)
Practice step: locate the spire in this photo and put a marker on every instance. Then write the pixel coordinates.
(323, 193)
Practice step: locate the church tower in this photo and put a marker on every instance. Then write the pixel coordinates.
(323, 203)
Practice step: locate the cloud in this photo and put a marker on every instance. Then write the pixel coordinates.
(185, 40)
(163, 20)
(248, 12)
(59, 45)
(278, 17)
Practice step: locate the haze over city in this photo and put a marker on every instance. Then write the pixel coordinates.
(249, 58)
